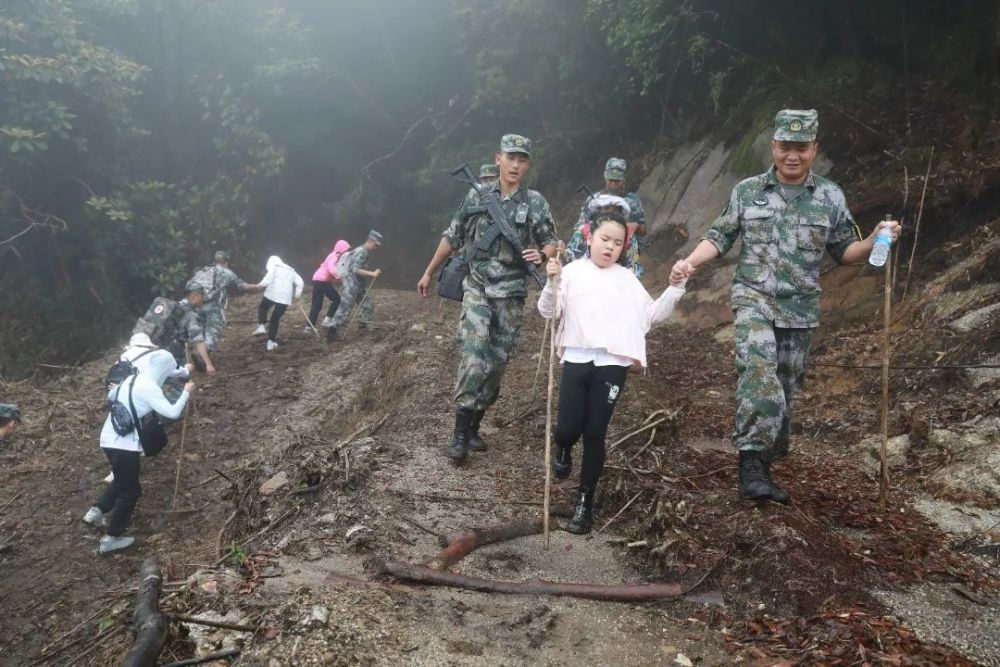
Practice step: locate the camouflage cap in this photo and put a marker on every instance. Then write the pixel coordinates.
(10, 412)
(614, 169)
(515, 143)
(375, 236)
(796, 125)
(193, 286)
(489, 171)
(221, 256)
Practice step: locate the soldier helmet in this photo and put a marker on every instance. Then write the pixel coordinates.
(489, 171)
(221, 255)
(375, 236)
(193, 286)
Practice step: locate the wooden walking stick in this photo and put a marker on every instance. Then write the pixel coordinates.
(308, 321)
(184, 426)
(548, 405)
(541, 355)
(883, 486)
(359, 304)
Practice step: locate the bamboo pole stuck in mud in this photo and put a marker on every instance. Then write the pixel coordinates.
(184, 428)
(883, 485)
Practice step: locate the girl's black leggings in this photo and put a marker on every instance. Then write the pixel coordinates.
(321, 289)
(587, 398)
(272, 326)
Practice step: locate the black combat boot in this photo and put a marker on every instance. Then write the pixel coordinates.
(476, 443)
(755, 482)
(562, 464)
(331, 334)
(583, 517)
(459, 447)
(778, 494)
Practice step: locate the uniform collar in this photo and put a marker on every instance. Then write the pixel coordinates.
(771, 179)
(519, 195)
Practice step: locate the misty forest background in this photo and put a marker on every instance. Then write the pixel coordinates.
(138, 136)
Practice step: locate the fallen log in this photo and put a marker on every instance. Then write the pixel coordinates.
(457, 547)
(150, 625)
(618, 593)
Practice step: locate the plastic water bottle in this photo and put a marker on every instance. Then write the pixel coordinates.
(880, 251)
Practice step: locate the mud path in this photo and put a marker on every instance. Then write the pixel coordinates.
(352, 501)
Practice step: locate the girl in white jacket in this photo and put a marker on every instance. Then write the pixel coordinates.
(282, 285)
(606, 314)
(122, 494)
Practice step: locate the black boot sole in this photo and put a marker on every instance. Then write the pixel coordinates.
(561, 473)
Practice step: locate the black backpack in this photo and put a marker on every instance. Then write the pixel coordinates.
(122, 369)
(124, 420)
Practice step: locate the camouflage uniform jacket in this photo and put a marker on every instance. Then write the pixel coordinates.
(217, 287)
(500, 272)
(356, 259)
(783, 242)
(577, 246)
(181, 323)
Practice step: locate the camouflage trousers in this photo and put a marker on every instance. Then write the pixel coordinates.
(771, 363)
(352, 290)
(213, 319)
(487, 338)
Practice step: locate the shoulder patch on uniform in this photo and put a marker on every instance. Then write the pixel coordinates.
(158, 309)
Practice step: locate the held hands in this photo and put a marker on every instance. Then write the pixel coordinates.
(553, 268)
(189, 368)
(680, 272)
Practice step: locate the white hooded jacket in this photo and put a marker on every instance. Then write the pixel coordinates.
(283, 285)
(147, 397)
(139, 351)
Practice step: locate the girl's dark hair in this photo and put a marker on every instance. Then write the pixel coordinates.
(613, 215)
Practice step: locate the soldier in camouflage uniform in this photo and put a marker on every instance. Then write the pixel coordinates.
(488, 173)
(10, 419)
(174, 325)
(495, 288)
(614, 184)
(786, 217)
(217, 280)
(354, 287)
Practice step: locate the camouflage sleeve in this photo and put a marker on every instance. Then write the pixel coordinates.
(230, 279)
(727, 227)
(638, 216)
(193, 333)
(455, 233)
(845, 231)
(543, 228)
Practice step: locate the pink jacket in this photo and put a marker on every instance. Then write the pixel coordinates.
(327, 271)
(605, 309)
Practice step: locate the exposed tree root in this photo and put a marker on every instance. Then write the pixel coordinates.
(619, 593)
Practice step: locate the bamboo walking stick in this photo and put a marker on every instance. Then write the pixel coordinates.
(883, 487)
(359, 304)
(541, 355)
(548, 407)
(184, 426)
(308, 321)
